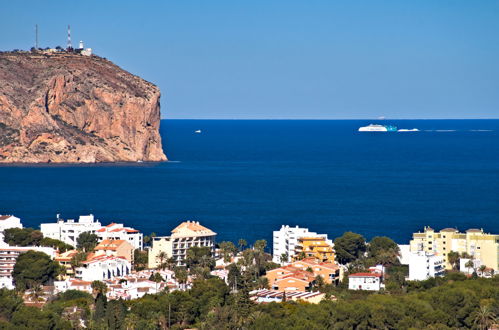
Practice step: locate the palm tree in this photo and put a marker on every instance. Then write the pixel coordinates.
(181, 276)
(161, 257)
(470, 264)
(36, 293)
(242, 243)
(284, 258)
(484, 317)
(482, 270)
(453, 258)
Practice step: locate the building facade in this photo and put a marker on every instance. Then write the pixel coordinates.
(474, 242)
(68, 231)
(115, 248)
(118, 231)
(364, 281)
(285, 241)
(100, 268)
(423, 265)
(186, 235)
(314, 247)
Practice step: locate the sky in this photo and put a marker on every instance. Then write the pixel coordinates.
(286, 59)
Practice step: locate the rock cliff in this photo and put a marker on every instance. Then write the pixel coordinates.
(69, 108)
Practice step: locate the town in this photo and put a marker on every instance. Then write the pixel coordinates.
(129, 265)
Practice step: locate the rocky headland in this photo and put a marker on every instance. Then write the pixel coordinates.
(69, 108)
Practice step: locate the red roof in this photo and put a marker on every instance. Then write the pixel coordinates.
(364, 275)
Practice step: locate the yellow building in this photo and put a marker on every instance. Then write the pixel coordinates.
(476, 243)
(315, 247)
(186, 235)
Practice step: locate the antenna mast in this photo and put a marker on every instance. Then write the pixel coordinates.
(69, 47)
(36, 36)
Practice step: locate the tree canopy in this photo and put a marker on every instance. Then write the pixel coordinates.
(349, 247)
(34, 268)
(87, 241)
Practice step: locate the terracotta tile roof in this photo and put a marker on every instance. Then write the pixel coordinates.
(473, 230)
(454, 230)
(364, 275)
(110, 244)
(193, 226)
(4, 217)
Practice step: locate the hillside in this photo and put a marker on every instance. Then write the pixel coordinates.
(69, 108)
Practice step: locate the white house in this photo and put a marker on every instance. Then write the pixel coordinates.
(423, 265)
(102, 268)
(469, 270)
(7, 222)
(285, 241)
(405, 254)
(364, 281)
(117, 231)
(68, 231)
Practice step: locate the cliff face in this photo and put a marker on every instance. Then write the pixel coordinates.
(76, 109)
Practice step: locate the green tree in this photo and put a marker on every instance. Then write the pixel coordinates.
(34, 268)
(227, 250)
(284, 258)
(87, 241)
(181, 276)
(242, 243)
(349, 247)
(140, 259)
(78, 259)
(157, 278)
(260, 245)
(453, 258)
(470, 265)
(161, 259)
(98, 287)
(199, 257)
(484, 317)
(383, 250)
(23, 236)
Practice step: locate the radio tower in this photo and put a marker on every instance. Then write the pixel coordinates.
(69, 47)
(36, 36)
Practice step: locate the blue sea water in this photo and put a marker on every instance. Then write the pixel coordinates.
(246, 178)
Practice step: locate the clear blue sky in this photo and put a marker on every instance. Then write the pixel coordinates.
(287, 59)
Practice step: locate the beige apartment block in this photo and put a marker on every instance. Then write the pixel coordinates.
(186, 235)
(475, 242)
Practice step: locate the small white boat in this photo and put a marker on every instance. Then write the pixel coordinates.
(197, 131)
(408, 130)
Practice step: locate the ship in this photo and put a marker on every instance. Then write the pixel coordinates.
(378, 128)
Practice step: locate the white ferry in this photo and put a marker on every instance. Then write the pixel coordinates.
(378, 128)
(408, 130)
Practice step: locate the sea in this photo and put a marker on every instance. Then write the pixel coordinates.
(247, 178)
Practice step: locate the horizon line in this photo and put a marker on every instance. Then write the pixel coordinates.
(379, 119)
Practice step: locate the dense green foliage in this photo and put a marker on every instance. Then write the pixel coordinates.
(33, 269)
(444, 303)
(87, 241)
(349, 247)
(32, 237)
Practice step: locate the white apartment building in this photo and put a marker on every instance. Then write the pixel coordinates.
(7, 222)
(100, 268)
(117, 231)
(423, 265)
(285, 241)
(186, 235)
(8, 258)
(68, 231)
(365, 281)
